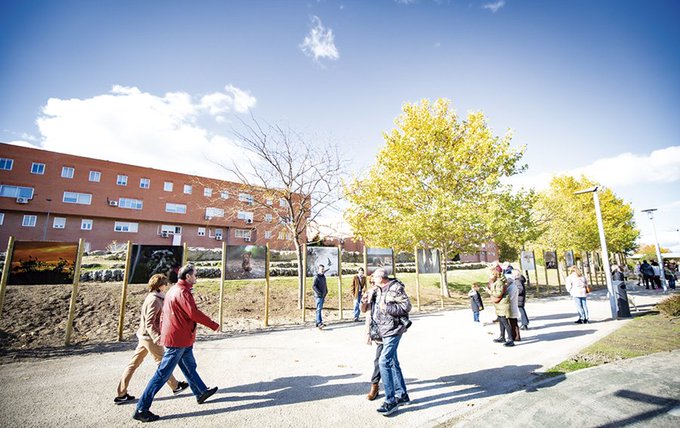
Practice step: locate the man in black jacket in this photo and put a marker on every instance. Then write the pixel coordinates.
(320, 292)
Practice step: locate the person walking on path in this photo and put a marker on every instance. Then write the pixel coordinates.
(497, 289)
(393, 304)
(358, 288)
(369, 306)
(178, 334)
(476, 303)
(577, 286)
(656, 272)
(320, 291)
(647, 274)
(520, 283)
(149, 335)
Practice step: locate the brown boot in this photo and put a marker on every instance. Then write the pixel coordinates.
(373, 392)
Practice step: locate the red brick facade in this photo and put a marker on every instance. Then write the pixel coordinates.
(192, 209)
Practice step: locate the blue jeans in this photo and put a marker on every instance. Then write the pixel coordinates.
(390, 371)
(184, 357)
(357, 302)
(581, 307)
(319, 306)
(475, 316)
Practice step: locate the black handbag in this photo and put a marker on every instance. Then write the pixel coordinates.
(374, 331)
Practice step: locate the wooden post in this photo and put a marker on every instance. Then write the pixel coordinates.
(365, 260)
(223, 275)
(123, 291)
(266, 289)
(559, 281)
(545, 269)
(417, 280)
(185, 254)
(533, 254)
(340, 279)
(74, 293)
(590, 276)
(5, 272)
(304, 279)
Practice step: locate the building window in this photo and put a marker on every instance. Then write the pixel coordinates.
(167, 186)
(95, 176)
(38, 168)
(86, 224)
(268, 218)
(201, 231)
(245, 197)
(267, 234)
(218, 234)
(59, 223)
(187, 189)
(269, 201)
(175, 208)
(121, 180)
(282, 235)
(77, 198)
(124, 226)
(282, 202)
(171, 229)
(2, 218)
(242, 233)
(144, 183)
(6, 164)
(245, 215)
(16, 192)
(29, 220)
(67, 172)
(129, 203)
(207, 192)
(214, 212)
(224, 194)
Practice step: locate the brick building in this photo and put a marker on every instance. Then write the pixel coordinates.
(59, 197)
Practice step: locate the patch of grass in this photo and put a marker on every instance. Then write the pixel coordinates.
(643, 335)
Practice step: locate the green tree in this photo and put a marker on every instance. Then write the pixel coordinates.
(433, 183)
(569, 220)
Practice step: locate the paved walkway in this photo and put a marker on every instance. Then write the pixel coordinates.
(303, 377)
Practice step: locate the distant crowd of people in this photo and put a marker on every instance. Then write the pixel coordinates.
(649, 274)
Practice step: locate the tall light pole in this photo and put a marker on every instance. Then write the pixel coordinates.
(47, 220)
(650, 214)
(605, 253)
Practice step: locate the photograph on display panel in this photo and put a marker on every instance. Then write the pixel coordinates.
(428, 261)
(527, 261)
(35, 263)
(569, 258)
(379, 258)
(326, 256)
(550, 258)
(246, 261)
(148, 260)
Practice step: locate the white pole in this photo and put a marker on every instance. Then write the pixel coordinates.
(605, 257)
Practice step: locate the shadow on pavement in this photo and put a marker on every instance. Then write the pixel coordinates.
(558, 335)
(665, 405)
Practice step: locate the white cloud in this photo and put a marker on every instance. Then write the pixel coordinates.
(135, 127)
(626, 169)
(494, 7)
(320, 43)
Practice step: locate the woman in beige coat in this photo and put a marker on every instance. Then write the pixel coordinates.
(149, 334)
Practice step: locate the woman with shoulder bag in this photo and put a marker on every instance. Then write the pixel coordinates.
(577, 286)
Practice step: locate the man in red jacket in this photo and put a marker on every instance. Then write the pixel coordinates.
(178, 334)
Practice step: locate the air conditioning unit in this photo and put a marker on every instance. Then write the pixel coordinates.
(218, 237)
(164, 234)
(249, 220)
(208, 218)
(246, 239)
(113, 203)
(21, 200)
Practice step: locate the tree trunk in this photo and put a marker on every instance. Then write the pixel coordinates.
(443, 271)
(301, 275)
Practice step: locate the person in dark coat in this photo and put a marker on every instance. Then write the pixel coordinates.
(476, 303)
(320, 291)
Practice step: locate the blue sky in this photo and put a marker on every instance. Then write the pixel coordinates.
(587, 86)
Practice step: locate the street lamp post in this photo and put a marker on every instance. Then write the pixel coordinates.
(47, 220)
(650, 214)
(605, 253)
